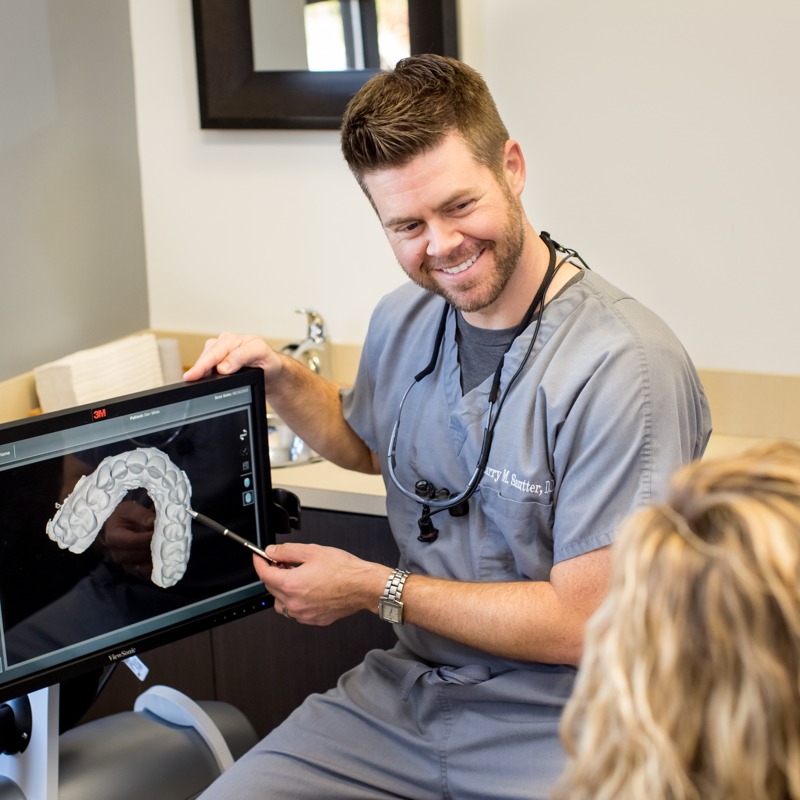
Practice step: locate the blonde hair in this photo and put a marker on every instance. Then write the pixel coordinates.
(690, 684)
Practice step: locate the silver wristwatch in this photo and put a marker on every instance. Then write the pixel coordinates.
(390, 606)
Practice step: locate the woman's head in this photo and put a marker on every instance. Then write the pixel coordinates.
(690, 685)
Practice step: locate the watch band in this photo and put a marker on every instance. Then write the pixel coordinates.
(390, 605)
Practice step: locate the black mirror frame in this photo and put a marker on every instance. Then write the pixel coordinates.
(234, 95)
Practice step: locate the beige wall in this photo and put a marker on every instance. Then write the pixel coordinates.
(71, 235)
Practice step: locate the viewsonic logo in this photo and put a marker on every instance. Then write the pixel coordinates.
(131, 651)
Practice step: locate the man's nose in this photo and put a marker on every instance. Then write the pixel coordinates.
(443, 238)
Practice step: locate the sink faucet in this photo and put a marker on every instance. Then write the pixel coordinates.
(313, 351)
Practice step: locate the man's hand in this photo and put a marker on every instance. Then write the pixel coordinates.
(229, 352)
(319, 585)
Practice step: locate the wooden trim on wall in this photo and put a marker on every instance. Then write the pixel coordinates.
(754, 405)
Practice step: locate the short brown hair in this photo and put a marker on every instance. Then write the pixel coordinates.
(403, 112)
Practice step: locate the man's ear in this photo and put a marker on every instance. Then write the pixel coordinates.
(514, 166)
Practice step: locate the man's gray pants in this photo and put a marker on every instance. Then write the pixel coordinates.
(396, 728)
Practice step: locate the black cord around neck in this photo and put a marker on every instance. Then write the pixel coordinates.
(430, 504)
(538, 299)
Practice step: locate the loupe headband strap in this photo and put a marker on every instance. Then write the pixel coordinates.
(437, 345)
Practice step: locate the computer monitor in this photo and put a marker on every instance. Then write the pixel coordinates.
(99, 557)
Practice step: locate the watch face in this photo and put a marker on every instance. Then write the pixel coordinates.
(391, 611)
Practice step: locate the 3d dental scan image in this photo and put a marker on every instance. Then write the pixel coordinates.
(96, 498)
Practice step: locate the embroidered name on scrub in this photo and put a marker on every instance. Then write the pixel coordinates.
(523, 485)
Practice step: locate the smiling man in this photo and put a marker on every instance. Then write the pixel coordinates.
(503, 520)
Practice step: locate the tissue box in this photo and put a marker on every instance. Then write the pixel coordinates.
(124, 366)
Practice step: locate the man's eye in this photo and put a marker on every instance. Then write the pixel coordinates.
(410, 228)
(463, 206)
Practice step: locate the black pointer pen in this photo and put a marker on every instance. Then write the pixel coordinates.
(215, 526)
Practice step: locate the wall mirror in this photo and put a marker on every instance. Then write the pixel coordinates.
(296, 63)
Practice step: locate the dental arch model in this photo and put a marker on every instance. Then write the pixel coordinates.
(83, 513)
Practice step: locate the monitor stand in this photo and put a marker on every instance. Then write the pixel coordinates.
(33, 774)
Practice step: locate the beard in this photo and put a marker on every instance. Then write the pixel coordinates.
(482, 292)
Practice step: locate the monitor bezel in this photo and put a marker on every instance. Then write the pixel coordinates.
(177, 629)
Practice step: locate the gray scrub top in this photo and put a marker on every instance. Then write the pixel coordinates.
(607, 406)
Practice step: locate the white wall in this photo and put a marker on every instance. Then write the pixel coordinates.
(662, 142)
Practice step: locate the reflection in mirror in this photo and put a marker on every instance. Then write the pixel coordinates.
(329, 35)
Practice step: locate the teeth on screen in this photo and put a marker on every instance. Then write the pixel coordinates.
(83, 513)
(173, 532)
(157, 466)
(136, 461)
(103, 478)
(173, 552)
(97, 498)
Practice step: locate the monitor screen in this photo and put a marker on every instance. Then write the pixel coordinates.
(99, 557)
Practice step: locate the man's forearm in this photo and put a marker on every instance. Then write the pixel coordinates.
(528, 620)
(521, 620)
(311, 406)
